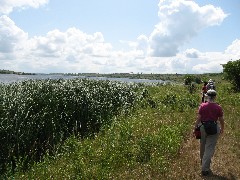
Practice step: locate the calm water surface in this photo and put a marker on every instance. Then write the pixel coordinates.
(10, 78)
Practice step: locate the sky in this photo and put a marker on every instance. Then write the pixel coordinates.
(127, 36)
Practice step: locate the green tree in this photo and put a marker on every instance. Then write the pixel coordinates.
(231, 72)
(188, 79)
(190, 82)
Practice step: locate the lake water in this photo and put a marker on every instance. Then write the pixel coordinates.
(10, 78)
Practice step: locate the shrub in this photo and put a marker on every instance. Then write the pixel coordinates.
(231, 72)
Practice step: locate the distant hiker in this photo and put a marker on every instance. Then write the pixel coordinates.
(209, 114)
(204, 91)
(210, 85)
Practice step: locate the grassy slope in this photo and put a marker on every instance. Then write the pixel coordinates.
(146, 145)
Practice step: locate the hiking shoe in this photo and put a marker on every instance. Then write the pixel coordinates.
(206, 173)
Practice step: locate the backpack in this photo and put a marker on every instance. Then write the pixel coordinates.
(210, 85)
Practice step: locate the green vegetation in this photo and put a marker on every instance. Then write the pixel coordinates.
(36, 116)
(146, 138)
(140, 143)
(232, 73)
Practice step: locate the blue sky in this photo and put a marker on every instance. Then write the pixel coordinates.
(157, 36)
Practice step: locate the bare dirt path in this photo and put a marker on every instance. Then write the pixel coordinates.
(225, 163)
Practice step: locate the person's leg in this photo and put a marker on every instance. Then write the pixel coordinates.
(202, 142)
(210, 145)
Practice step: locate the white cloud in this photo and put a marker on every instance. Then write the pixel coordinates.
(180, 21)
(206, 62)
(234, 50)
(72, 42)
(70, 51)
(11, 37)
(192, 53)
(75, 51)
(207, 68)
(7, 6)
(142, 44)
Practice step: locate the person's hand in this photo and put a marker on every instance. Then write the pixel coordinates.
(193, 133)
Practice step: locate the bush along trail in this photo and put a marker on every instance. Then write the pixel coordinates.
(152, 141)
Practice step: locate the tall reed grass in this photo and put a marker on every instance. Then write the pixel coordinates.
(137, 146)
(36, 116)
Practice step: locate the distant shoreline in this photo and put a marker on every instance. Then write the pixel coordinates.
(151, 76)
(11, 78)
(13, 72)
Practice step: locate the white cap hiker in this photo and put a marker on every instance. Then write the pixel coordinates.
(211, 92)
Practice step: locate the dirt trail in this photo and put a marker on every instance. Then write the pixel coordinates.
(225, 164)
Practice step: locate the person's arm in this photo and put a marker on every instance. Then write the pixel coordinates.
(198, 120)
(221, 120)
